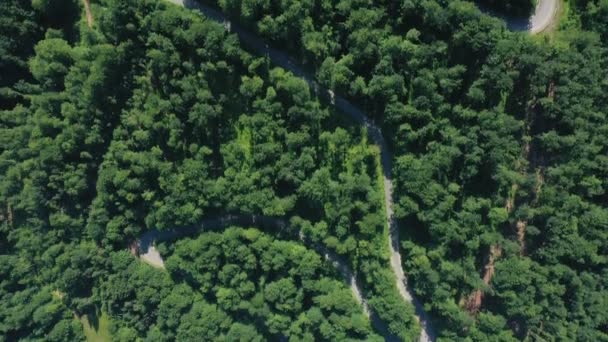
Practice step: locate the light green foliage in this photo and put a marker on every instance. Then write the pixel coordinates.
(96, 329)
(236, 284)
(243, 140)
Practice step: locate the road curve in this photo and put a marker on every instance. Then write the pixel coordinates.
(545, 14)
(149, 254)
(283, 60)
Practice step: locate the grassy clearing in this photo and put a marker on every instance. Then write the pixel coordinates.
(356, 156)
(567, 18)
(96, 328)
(244, 140)
(380, 180)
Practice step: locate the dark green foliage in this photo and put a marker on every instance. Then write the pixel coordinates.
(594, 16)
(58, 13)
(157, 118)
(459, 98)
(22, 24)
(236, 285)
(31, 311)
(19, 31)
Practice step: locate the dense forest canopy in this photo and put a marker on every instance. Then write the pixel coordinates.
(237, 285)
(593, 16)
(156, 117)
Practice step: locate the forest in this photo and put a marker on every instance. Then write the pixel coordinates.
(148, 116)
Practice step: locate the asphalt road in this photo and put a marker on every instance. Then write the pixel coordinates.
(283, 60)
(545, 13)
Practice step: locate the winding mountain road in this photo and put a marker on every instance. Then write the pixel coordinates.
(546, 11)
(544, 16)
(149, 254)
(281, 59)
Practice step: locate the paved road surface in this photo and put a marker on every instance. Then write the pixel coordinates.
(281, 59)
(544, 15)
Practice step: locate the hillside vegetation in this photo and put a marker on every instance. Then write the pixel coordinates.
(156, 117)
